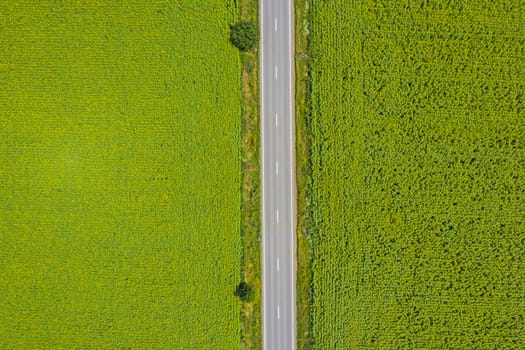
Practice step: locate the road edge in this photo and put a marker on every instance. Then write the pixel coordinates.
(261, 162)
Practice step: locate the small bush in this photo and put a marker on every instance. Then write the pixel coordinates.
(244, 35)
(245, 292)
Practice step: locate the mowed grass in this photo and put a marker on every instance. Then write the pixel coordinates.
(417, 154)
(120, 175)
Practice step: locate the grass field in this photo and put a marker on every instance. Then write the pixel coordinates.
(418, 167)
(120, 174)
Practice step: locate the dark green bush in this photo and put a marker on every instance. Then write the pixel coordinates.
(245, 292)
(244, 35)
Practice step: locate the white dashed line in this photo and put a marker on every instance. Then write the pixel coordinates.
(276, 168)
(278, 314)
(277, 213)
(277, 264)
(276, 120)
(275, 72)
(275, 22)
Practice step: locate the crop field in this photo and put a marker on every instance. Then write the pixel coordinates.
(120, 175)
(418, 174)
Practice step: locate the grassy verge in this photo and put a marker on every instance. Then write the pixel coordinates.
(303, 177)
(251, 317)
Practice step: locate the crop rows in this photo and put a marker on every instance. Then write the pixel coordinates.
(120, 175)
(418, 168)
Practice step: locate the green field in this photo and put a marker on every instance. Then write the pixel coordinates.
(418, 165)
(120, 175)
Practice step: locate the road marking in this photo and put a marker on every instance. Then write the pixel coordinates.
(277, 213)
(278, 314)
(276, 120)
(277, 264)
(276, 72)
(276, 168)
(275, 21)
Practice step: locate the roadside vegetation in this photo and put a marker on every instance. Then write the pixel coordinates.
(416, 201)
(251, 312)
(303, 176)
(121, 185)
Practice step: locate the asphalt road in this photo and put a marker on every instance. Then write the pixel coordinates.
(278, 174)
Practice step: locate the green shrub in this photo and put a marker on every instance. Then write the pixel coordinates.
(245, 35)
(245, 292)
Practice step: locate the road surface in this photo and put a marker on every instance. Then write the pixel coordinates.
(278, 174)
